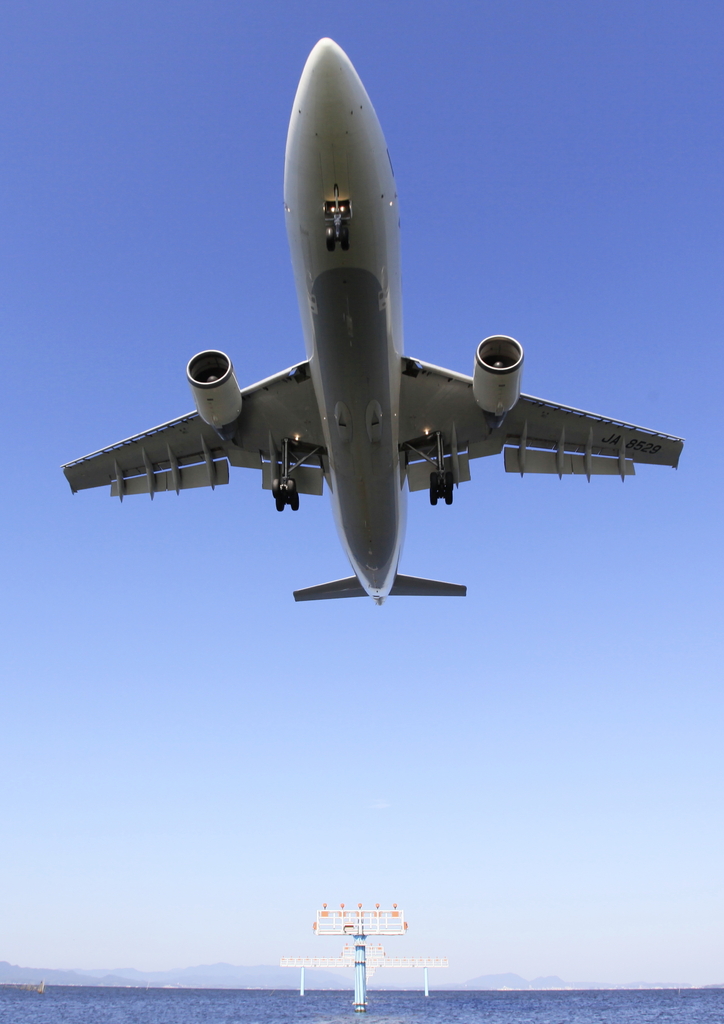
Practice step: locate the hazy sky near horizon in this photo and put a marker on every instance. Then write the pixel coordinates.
(192, 763)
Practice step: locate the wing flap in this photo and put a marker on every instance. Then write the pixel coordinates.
(524, 460)
(191, 476)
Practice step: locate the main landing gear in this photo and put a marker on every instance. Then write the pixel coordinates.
(432, 450)
(337, 215)
(441, 486)
(284, 488)
(285, 493)
(441, 480)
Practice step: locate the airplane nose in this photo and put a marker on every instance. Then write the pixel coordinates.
(328, 58)
(329, 81)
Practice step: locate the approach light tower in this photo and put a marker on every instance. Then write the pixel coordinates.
(359, 924)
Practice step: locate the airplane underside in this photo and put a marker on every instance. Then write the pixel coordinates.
(351, 346)
(357, 416)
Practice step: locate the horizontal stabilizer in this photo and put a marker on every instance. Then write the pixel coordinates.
(404, 586)
(416, 586)
(350, 586)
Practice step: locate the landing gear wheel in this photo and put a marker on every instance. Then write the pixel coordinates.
(331, 240)
(442, 481)
(344, 237)
(284, 486)
(291, 493)
(448, 488)
(434, 489)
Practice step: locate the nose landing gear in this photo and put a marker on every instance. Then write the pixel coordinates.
(337, 215)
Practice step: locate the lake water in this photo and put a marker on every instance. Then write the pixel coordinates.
(194, 1006)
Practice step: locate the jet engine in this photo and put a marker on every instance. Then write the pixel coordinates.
(216, 391)
(497, 376)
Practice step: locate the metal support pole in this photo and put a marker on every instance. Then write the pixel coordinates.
(301, 983)
(427, 990)
(360, 974)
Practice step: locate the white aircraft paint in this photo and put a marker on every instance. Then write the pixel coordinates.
(350, 304)
(358, 414)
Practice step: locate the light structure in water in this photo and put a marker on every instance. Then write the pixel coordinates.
(359, 924)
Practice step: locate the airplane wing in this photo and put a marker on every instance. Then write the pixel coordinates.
(536, 436)
(186, 452)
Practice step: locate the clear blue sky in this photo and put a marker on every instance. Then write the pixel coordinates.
(192, 763)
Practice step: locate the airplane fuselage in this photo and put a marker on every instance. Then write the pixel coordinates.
(374, 423)
(350, 301)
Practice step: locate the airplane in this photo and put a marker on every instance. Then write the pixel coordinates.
(358, 415)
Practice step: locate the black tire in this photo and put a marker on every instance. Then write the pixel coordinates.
(449, 488)
(344, 238)
(294, 501)
(331, 240)
(276, 489)
(281, 503)
(434, 488)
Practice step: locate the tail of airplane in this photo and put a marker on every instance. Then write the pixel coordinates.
(404, 586)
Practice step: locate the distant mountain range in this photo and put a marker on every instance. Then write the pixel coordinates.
(266, 977)
(204, 976)
(496, 982)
